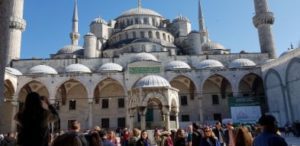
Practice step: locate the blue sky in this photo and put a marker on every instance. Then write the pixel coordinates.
(229, 22)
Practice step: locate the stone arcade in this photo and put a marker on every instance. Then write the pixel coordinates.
(141, 70)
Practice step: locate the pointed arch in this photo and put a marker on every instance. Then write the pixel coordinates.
(9, 90)
(251, 85)
(292, 78)
(108, 87)
(216, 90)
(63, 90)
(185, 85)
(33, 86)
(275, 96)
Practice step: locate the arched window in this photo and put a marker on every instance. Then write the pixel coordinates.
(136, 20)
(142, 34)
(169, 38)
(150, 34)
(134, 34)
(146, 21)
(153, 21)
(157, 35)
(164, 36)
(126, 35)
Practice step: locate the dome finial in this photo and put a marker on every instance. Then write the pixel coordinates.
(139, 5)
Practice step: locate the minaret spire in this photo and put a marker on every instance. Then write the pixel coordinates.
(202, 28)
(74, 35)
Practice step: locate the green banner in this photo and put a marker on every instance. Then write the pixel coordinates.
(245, 101)
(144, 70)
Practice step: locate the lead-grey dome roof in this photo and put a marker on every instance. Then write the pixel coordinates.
(42, 69)
(110, 67)
(181, 18)
(69, 49)
(209, 63)
(99, 20)
(77, 68)
(143, 57)
(13, 71)
(213, 45)
(241, 63)
(286, 52)
(152, 81)
(177, 65)
(139, 11)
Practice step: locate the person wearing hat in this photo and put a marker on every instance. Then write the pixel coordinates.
(268, 137)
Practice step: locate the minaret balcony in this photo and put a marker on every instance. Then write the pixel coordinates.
(17, 23)
(263, 18)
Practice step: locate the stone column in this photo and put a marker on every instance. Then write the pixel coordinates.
(177, 120)
(14, 112)
(167, 120)
(131, 121)
(143, 121)
(90, 118)
(200, 108)
(5, 10)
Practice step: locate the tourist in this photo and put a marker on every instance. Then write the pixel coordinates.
(111, 136)
(105, 141)
(9, 140)
(229, 135)
(67, 139)
(33, 121)
(268, 137)
(196, 136)
(166, 139)
(135, 137)
(219, 133)
(75, 128)
(143, 141)
(209, 138)
(180, 138)
(157, 137)
(243, 137)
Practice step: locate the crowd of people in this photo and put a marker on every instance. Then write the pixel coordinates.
(33, 130)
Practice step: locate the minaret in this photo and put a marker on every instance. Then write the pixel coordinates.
(74, 35)
(202, 29)
(16, 26)
(263, 20)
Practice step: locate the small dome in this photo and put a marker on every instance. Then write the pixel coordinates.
(140, 11)
(212, 45)
(140, 26)
(286, 52)
(42, 69)
(77, 68)
(209, 63)
(89, 34)
(69, 49)
(241, 63)
(152, 81)
(143, 57)
(111, 67)
(13, 71)
(99, 20)
(181, 18)
(177, 65)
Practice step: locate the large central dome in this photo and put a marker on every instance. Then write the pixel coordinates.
(139, 11)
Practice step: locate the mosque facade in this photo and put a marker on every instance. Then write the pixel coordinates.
(144, 70)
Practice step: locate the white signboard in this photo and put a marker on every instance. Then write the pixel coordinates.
(245, 114)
